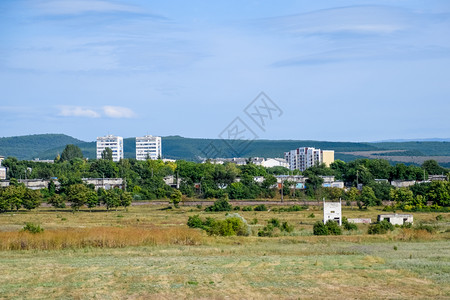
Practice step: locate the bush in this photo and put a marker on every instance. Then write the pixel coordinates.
(320, 228)
(195, 222)
(32, 228)
(347, 225)
(312, 215)
(428, 228)
(234, 224)
(274, 221)
(220, 205)
(333, 228)
(380, 227)
(439, 218)
(261, 207)
(247, 208)
(236, 208)
(286, 227)
(272, 224)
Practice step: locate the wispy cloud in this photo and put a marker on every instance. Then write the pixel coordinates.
(77, 111)
(74, 7)
(118, 112)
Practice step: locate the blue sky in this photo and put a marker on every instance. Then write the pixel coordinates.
(338, 70)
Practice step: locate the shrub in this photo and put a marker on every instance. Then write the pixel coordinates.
(254, 221)
(195, 222)
(236, 208)
(380, 227)
(347, 225)
(32, 228)
(234, 224)
(312, 215)
(220, 205)
(274, 221)
(333, 228)
(286, 227)
(320, 228)
(247, 208)
(266, 231)
(439, 218)
(261, 207)
(428, 228)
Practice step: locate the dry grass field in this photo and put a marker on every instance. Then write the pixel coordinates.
(148, 252)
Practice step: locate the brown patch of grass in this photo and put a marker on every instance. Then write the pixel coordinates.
(408, 234)
(98, 237)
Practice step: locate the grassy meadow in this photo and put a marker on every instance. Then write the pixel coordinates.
(149, 252)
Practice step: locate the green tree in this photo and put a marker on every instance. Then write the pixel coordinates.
(433, 168)
(368, 197)
(77, 194)
(91, 199)
(439, 193)
(175, 198)
(71, 152)
(107, 154)
(57, 201)
(31, 199)
(111, 198)
(126, 199)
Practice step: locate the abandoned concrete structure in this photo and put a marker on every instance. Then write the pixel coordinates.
(396, 219)
(332, 211)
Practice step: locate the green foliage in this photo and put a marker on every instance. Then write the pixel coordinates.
(320, 229)
(333, 228)
(260, 207)
(107, 154)
(272, 224)
(234, 224)
(312, 215)
(220, 205)
(380, 227)
(330, 228)
(32, 228)
(347, 225)
(57, 201)
(175, 198)
(247, 208)
(71, 152)
(368, 197)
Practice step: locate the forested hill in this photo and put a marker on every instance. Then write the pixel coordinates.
(31, 146)
(47, 146)
(176, 147)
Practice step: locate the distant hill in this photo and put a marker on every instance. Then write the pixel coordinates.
(30, 146)
(47, 146)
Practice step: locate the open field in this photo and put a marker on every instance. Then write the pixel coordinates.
(149, 252)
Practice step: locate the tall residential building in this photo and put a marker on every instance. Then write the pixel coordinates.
(115, 143)
(148, 147)
(2, 169)
(306, 157)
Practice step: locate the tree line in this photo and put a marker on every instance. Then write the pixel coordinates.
(145, 181)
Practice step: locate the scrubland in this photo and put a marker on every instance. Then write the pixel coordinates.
(149, 252)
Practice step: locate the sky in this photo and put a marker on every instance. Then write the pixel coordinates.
(338, 70)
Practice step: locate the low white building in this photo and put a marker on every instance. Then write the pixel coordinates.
(402, 183)
(275, 162)
(148, 147)
(115, 143)
(396, 219)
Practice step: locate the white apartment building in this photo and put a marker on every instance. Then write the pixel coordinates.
(306, 157)
(115, 143)
(148, 147)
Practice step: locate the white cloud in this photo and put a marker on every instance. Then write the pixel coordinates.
(77, 111)
(74, 7)
(118, 112)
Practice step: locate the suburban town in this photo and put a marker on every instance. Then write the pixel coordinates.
(224, 149)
